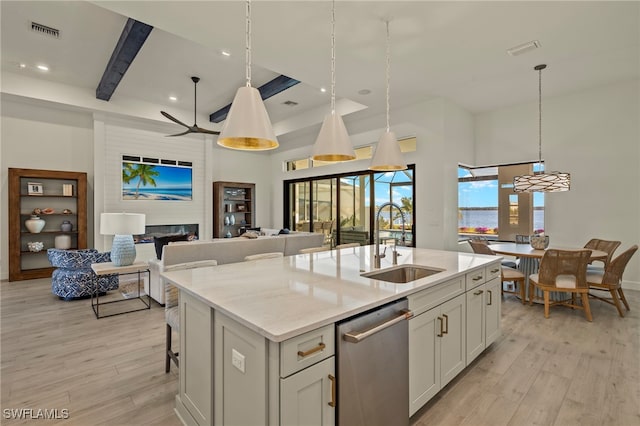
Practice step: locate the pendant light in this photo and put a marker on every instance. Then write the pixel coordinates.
(541, 181)
(247, 126)
(333, 143)
(387, 156)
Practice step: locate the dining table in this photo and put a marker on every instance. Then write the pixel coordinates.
(529, 262)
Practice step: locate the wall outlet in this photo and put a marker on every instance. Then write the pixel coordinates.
(237, 360)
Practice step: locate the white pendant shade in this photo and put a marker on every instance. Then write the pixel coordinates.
(247, 126)
(387, 156)
(333, 142)
(542, 182)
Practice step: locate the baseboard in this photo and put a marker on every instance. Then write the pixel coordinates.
(631, 285)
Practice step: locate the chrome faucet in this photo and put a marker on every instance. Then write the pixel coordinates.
(377, 257)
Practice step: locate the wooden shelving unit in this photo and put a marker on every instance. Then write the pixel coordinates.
(24, 264)
(233, 208)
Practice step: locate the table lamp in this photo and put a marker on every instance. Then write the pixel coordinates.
(123, 226)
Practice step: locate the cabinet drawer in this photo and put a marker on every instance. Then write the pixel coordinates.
(427, 299)
(302, 351)
(475, 278)
(492, 271)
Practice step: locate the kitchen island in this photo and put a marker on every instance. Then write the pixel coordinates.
(257, 338)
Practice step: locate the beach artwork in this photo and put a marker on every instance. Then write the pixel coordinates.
(156, 182)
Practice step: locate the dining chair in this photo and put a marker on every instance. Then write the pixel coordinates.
(313, 249)
(172, 308)
(507, 273)
(259, 256)
(611, 280)
(603, 245)
(563, 271)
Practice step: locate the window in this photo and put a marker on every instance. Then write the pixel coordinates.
(488, 207)
(343, 206)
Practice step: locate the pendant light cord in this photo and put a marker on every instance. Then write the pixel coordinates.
(333, 57)
(540, 117)
(248, 43)
(388, 73)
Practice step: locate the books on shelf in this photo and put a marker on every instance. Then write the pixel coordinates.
(67, 189)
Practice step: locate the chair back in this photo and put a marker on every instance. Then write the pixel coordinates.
(480, 247)
(272, 255)
(347, 245)
(614, 270)
(603, 245)
(313, 249)
(564, 268)
(170, 291)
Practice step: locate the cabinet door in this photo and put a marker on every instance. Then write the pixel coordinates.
(306, 395)
(493, 310)
(424, 358)
(475, 322)
(453, 342)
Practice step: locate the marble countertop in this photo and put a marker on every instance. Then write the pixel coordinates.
(285, 297)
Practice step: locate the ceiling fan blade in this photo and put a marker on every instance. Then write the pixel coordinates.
(181, 134)
(175, 120)
(207, 131)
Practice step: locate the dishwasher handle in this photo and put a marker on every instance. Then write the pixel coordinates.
(358, 336)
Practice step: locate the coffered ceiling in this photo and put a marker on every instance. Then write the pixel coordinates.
(455, 50)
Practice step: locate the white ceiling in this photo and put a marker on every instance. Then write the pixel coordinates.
(455, 50)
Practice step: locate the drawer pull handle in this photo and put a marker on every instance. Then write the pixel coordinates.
(332, 403)
(490, 298)
(479, 292)
(318, 348)
(493, 271)
(446, 330)
(441, 326)
(477, 278)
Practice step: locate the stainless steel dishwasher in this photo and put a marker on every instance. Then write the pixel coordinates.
(373, 367)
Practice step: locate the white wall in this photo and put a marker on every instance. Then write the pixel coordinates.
(594, 135)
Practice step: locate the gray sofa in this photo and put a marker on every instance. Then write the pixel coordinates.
(226, 250)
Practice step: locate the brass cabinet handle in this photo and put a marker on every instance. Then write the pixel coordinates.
(477, 278)
(332, 403)
(490, 298)
(493, 271)
(446, 330)
(318, 348)
(441, 326)
(476, 293)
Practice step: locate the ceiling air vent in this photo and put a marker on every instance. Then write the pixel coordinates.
(524, 48)
(43, 29)
(290, 103)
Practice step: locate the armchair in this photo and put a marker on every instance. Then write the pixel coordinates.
(74, 278)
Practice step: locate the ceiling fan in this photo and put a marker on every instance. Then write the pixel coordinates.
(194, 128)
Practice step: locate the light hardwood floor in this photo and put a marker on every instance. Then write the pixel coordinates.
(560, 371)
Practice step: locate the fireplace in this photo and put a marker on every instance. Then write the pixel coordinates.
(164, 230)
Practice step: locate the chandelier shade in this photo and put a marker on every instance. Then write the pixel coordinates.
(541, 182)
(388, 156)
(247, 126)
(333, 143)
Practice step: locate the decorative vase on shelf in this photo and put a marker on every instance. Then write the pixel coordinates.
(66, 226)
(228, 235)
(226, 221)
(62, 242)
(34, 224)
(232, 220)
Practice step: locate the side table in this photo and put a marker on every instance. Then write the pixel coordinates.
(108, 268)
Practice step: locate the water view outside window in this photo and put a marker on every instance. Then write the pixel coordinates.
(478, 204)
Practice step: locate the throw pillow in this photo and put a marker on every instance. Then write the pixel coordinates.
(160, 242)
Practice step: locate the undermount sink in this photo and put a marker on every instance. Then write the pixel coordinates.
(402, 274)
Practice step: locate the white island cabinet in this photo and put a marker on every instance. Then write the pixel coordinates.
(257, 339)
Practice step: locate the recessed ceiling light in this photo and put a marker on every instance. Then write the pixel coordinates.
(364, 91)
(173, 98)
(225, 53)
(524, 48)
(323, 89)
(22, 65)
(43, 68)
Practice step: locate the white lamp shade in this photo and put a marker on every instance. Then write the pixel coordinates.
(122, 223)
(333, 142)
(247, 126)
(388, 156)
